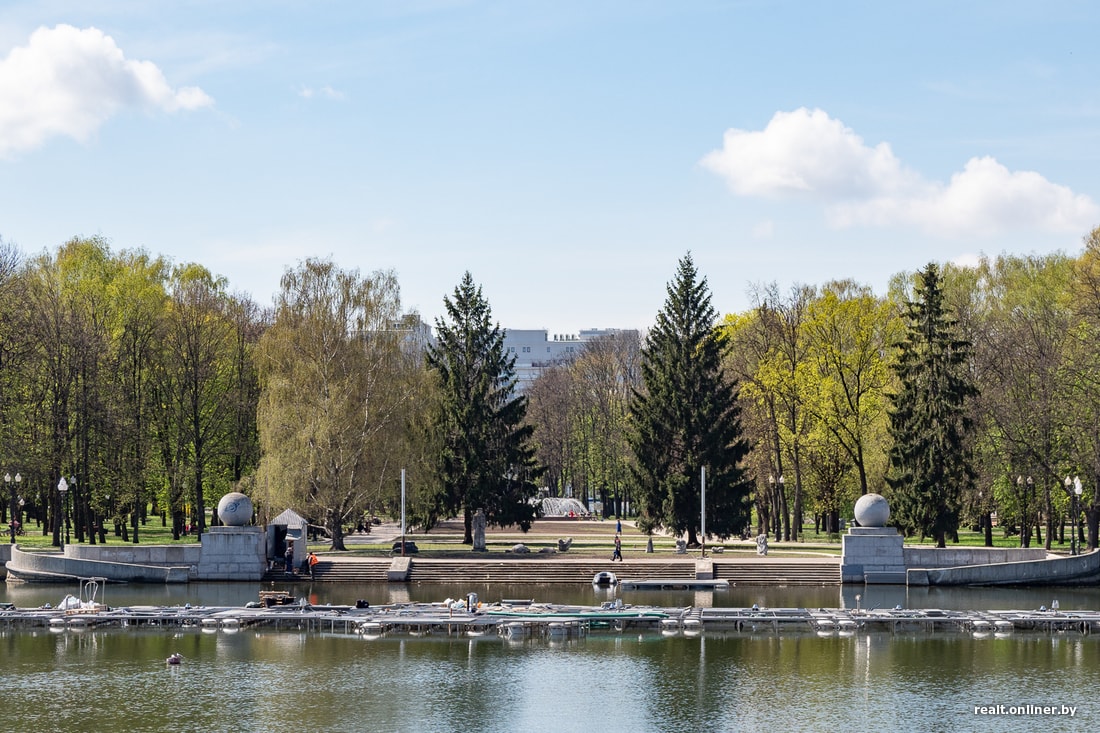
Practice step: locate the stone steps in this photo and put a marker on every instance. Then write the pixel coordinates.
(573, 572)
(785, 573)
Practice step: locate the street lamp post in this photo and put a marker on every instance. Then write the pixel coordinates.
(1074, 489)
(63, 488)
(14, 506)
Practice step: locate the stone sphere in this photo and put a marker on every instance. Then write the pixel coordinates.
(235, 509)
(872, 510)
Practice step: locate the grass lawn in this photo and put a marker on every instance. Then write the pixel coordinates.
(589, 538)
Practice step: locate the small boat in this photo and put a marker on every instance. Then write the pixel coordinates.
(604, 579)
(175, 658)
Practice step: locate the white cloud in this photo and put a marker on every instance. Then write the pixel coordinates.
(69, 81)
(326, 91)
(808, 154)
(967, 260)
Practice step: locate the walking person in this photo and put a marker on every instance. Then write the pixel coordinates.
(618, 526)
(618, 553)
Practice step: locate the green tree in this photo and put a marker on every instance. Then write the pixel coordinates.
(930, 426)
(137, 336)
(686, 418)
(1021, 354)
(851, 331)
(196, 384)
(337, 384)
(605, 375)
(551, 407)
(487, 458)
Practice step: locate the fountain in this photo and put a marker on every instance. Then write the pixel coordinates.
(553, 506)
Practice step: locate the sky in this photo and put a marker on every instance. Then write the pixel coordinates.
(567, 154)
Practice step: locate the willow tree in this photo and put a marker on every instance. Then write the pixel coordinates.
(487, 459)
(336, 380)
(930, 466)
(686, 418)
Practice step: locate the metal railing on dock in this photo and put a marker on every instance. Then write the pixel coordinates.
(528, 620)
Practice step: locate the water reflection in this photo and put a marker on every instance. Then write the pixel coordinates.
(272, 680)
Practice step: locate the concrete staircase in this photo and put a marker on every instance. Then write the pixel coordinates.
(572, 572)
(344, 570)
(778, 572)
(763, 572)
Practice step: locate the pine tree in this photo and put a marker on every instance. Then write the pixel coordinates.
(486, 461)
(930, 461)
(687, 418)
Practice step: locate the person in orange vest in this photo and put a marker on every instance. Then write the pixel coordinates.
(312, 561)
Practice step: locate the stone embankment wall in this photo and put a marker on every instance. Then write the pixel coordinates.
(950, 557)
(44, 565)
(162, 555)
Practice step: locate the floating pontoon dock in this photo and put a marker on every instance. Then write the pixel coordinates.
(674, 584)
(533, 619)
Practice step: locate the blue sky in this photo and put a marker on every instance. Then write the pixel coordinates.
(567, 154)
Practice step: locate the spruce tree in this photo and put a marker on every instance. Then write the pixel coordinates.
(930, 460)
(686, 418)
(486, 460)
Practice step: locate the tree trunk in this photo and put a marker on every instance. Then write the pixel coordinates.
(337, 531)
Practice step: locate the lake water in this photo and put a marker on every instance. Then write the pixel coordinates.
(116, 680)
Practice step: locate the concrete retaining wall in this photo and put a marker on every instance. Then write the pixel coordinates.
(1048, 571)
(950, 557)
(64, 566)
(226, 553)
(161, 555)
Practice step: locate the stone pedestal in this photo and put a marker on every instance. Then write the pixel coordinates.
(872, 555)
(232, 553)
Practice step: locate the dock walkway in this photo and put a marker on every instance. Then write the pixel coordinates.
(518, 619)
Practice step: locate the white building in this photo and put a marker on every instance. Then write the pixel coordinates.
(535, 350)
